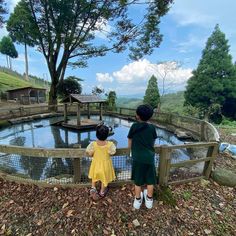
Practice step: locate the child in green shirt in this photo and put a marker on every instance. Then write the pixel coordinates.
(141, 139)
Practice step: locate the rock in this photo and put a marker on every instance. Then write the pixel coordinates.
(182, 134)
(224, 177)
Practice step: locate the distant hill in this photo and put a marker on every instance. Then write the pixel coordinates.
(170, 102)
(11, 80)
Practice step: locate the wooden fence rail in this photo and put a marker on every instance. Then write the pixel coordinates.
(204, 130)
(164, 151)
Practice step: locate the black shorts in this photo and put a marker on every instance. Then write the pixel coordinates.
(143, 173)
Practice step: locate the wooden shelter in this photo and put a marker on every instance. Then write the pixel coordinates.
(27, 95)
(82, 100)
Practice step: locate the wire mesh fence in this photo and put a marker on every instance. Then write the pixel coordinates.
(60, 170)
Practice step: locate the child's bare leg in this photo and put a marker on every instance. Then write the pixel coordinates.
(102, 188)
(137, 190)
(93, 184)
(150, 190)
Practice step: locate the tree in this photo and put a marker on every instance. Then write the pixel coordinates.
(111, 100)
(66, 31)
(70, 85)
(152, 96)
(212, 88)
(7, 48)
(97, 91)
(3, 11)
(20, 30)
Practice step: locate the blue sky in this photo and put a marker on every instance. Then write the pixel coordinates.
(185, 30)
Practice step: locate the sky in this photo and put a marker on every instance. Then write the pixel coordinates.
(185, 29)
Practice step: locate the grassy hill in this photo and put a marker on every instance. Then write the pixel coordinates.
(170, 102)
(11, 80)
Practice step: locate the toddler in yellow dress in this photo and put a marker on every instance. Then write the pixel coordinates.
(101, 168)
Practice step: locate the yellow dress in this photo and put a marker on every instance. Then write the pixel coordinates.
(101, 168)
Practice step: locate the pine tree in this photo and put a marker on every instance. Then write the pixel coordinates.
(152, 96)
(212, 88)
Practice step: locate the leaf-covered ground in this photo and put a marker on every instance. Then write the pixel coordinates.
(202, 208)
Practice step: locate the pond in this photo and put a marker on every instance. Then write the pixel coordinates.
(40, 133)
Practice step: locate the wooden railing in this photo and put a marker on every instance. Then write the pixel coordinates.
(204, 130)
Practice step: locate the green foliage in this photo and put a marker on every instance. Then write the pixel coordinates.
(227, 122)
(173, 103)
(152, 96)
(20, 25)
(166, 196)
(7, 47)
(187, 195)
(3, 11)
(212, 88)
(111, 100)
(4, 123)
(65, 31)
(128, 102)
(97, 91)
(70, 85)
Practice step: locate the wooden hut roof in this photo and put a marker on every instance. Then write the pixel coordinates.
(23, 88)
(83, 99)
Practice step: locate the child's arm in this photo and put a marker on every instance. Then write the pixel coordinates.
(112, 149)
(129, 142)
(90, 149)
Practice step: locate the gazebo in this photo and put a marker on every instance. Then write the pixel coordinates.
(81, 100)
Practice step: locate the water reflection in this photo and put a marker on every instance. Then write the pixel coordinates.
(41, 133)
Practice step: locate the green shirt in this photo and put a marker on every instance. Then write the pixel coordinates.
(143, 137)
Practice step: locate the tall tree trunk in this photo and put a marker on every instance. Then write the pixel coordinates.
(7, 62)
(62, 75)
(26, 64)
(53, 95)
(10, 63)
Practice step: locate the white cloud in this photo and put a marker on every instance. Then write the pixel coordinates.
(100, 77)
(134, 72)
(133, 78)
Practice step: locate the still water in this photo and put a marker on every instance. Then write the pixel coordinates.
(41, 134)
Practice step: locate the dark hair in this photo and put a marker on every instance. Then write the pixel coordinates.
(145, 112)
(102, 132)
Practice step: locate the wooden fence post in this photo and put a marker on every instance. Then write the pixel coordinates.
(202, 137)
(77, 170)
(212, 152)
(164, 165)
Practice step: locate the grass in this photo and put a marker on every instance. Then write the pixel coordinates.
(229, 126)
(11, 82)
(165, 195)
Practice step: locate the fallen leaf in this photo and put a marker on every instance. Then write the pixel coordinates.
(40, 222)
(69, 213)
(65, 205)
(207, 231)
(109, 200)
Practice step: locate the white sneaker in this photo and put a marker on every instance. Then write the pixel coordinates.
(148, 202)
(137, 203)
